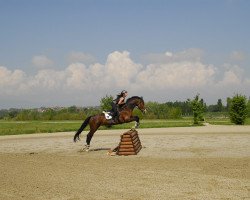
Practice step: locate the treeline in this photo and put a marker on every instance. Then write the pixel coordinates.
(168, 110)
(69, 113)
(155, 110)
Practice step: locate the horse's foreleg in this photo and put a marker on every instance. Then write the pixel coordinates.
(137, 121)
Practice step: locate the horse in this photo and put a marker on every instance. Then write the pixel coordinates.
(125, 116)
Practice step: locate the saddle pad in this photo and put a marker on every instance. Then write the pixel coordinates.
(107, 115)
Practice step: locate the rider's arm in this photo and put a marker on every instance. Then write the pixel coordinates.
(120, 102)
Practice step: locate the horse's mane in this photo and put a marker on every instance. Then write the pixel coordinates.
(132, 98)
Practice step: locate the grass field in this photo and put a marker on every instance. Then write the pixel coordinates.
(29, 127)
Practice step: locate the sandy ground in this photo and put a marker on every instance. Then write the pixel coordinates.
(211, 162)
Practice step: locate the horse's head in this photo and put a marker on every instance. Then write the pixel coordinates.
(137, 102)
(141, 105)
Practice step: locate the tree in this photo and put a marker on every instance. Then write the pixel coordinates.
(219, 105)
(184, 106)
(105, 102)
(238, 109)
(72, 109)
(49, 114)
(229, 100)
(174, 113)
(248, 108)
(4, 113)
(197, 105)
(13, 113)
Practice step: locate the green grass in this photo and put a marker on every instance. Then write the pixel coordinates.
(29, 127)
(247, 121)
(157, 123)
(219, 121)
(224, 121)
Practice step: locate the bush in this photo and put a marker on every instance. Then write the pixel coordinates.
(198, 108)
(106, 102)
(248, 108)
(238, 109)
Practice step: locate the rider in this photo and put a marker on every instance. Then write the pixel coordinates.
(118, 102)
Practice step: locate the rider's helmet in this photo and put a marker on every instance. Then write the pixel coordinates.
(124, 91)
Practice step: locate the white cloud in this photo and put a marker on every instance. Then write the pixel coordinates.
(11, 81)
(77, 76)
(47, 79)
(230, 78)
(42, 61)
(178, 75)
(81, 57)
(183, 73)
(121, 69)
(169, 54)
(237, 56)
(192, 54)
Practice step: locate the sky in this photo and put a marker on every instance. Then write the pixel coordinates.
(74, 52)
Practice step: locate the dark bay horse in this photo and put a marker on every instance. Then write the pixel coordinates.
(98, 120)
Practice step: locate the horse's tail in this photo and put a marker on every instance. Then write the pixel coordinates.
(84, 124)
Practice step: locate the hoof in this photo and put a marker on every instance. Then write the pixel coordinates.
(77, 138)
(111, 153)
(136, 125)
(85, 148)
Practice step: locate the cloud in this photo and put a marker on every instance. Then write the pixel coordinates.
(11, 81)
(42, 61)
(122, 69)
(183, 74)
(179, 75)
(237, 56)
(81, 57)
(230, 78)
(46, 79)
(192, 54)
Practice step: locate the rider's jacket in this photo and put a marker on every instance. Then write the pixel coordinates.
(115, 101)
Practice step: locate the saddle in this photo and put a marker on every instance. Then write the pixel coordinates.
(110, 115)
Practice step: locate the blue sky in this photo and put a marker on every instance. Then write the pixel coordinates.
(63, 38)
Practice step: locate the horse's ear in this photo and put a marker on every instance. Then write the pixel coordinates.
(142, 98)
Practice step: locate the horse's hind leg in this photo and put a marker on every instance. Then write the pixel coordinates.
(85, 148)
(89, 137)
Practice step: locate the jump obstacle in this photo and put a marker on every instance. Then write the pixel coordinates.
(130, 144)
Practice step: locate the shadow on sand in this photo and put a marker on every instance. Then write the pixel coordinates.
(96, 149)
